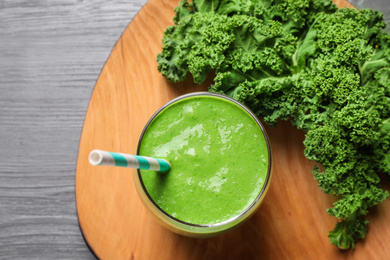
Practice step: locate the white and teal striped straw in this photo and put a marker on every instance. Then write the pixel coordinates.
(99, 157)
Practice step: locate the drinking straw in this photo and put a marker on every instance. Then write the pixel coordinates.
(99, 157)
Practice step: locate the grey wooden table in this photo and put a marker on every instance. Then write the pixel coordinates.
(51, 53)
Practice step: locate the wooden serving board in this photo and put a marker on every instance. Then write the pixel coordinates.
(292, 223)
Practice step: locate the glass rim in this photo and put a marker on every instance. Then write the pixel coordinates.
(269, 168)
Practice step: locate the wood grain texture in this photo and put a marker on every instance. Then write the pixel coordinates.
(292, 222)
(51, 53)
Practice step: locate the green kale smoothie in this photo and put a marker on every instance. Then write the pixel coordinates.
(219, 159)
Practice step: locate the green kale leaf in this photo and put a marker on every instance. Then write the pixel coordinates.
(325, 69)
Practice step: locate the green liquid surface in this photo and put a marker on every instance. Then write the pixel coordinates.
(218, 156)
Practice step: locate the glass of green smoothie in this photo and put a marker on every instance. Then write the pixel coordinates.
(220, 159)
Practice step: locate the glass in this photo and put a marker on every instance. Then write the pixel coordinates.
(196, 230)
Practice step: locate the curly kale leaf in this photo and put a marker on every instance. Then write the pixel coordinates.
(188, 46)
(348, 231)
(325, 69)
